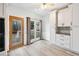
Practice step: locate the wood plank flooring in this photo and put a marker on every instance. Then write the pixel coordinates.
(41, 48)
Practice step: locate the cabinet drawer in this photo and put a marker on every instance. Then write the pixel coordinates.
(59, 36)
(61, 44)
(60, 40)
(63, 40)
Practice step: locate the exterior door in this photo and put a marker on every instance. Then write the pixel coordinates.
(16, 25)
(33, 30)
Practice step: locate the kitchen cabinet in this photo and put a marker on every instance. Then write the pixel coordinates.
(75, 27)
(65, 16)
(63, 40)
(75, 14)
(60, 18)
(75, 37)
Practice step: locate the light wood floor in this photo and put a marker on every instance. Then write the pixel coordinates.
(41, 48)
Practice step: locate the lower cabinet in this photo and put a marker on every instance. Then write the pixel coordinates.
(63, 40)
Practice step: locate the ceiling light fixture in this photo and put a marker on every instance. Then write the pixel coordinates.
(46, 5)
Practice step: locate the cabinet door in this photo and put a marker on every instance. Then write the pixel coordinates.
(75, 41)
(67, 41)
(76, 14)
(60, 40)
(60, 18)
(67, 16)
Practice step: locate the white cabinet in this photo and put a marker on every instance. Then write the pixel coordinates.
(67, 41)
(65, 16)
(60, 18)
(63, 40)
(75, 27)
(75, 37)
(76, 14)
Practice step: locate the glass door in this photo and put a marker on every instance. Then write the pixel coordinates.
(16, 32)
(35, 31)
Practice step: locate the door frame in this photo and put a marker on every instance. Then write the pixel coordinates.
(10, 32)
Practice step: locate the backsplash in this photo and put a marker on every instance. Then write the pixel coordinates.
(63, 30)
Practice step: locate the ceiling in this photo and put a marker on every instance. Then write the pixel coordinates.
(36, 7)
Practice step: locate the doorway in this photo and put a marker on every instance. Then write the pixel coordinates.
(33, 30)
(16, 25)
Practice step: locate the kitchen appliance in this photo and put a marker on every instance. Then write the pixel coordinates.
(2, 38)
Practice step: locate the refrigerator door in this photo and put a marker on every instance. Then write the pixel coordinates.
(2, 34)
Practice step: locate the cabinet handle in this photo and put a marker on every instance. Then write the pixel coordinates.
(62, 39)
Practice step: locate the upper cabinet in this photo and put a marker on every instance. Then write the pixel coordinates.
(60, 18)
(75, 14)
(65, 16)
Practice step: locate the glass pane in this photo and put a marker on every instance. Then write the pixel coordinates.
(37, 34)
(37, 26)
(32, 34)
(16, 32)
(37, 29)
(32, 30)
(32, 25)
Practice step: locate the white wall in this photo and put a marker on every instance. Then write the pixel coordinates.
(52, 20)
(49, 25)
(13, 11)
(46, 27)
(1, 11)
